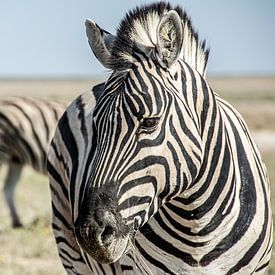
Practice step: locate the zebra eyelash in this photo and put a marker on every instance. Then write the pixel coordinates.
(148, 125)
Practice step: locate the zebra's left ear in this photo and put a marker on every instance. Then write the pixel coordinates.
(100, 42)
(169, 38)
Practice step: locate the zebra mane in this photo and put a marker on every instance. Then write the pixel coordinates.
(137, 32)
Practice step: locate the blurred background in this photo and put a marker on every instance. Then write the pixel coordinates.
(44, 53)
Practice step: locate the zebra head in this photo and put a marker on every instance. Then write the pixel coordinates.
(146, 144)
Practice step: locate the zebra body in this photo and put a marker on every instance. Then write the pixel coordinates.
(26, 128)
(151, 172)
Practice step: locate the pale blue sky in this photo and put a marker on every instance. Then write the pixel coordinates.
(47, 38)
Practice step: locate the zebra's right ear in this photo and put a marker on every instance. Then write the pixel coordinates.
(100, 42)
(169, 38)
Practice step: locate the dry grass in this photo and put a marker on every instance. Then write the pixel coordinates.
(54, 89)
(32, 250)
(269, 159)
(254, 97)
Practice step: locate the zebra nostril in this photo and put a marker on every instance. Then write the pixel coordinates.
(107, 235)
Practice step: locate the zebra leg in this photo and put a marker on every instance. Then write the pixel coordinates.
(14, 172)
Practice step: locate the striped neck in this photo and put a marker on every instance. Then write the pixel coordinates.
(216, 157)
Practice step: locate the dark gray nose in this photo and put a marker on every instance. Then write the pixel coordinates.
(107, 229)
(99, 228)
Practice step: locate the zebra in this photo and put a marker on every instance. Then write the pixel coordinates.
(26, 128)
(152, 172)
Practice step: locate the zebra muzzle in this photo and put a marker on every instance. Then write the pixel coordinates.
(101, 235)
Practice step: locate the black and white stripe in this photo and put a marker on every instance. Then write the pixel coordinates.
(155, 164)
(26, 128)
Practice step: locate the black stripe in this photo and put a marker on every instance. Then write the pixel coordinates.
(152, 260)
(262, 266)
(59, 157)
(61, 218)
(165, 246)
(215, 156)
(173, 234)
(177, 164)
(189, 161)
(81, 116)
(98, 90)
(56, 176)
(36, 137)
(20, 138)
(86, 178)
(247, 210)
(71, 145)
(219, 216)
(65, 252)
(180, 227)
(182, 121)
(42, 114)
(127, 186)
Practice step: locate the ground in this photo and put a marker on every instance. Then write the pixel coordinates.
(32, 250)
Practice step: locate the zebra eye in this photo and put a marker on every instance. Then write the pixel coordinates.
(149, 124)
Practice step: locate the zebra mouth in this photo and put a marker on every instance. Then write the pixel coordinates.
(105, 252)
(113, 252)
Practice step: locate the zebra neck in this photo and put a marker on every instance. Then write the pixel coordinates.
(216, 179)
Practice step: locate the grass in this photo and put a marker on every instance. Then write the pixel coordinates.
(32, 250)
(253, 97)
(269, 160)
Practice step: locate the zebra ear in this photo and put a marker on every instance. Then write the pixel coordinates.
(169, 38)
(100, 42)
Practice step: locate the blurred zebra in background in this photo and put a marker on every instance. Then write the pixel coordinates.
(152, 172)
(26, 128)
